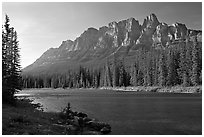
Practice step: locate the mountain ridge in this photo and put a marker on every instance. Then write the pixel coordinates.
(120, 37)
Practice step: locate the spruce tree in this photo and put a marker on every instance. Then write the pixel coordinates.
(115, 72)
(134, 73)
(10, 63)
(4, 65)
(150, 71)
(188, 57)
(156, 72)
(16, 68)
(195, 75)
(172, 78)
(107, 75)
(140, 77)
(162, 70)
(122, 74)
(182, 70)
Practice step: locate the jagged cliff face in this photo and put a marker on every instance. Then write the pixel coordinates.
(122, 33)
(148, 28)
(161, 34)
(67, 45)
(166, 35)
(127, 34)
(132, 32)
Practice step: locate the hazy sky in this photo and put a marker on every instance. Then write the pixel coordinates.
(41, 26)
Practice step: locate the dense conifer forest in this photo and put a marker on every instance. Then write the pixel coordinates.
(178, 64)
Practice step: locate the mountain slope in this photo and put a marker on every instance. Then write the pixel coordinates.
(123, 38)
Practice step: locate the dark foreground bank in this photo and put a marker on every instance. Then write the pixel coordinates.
(26, 119)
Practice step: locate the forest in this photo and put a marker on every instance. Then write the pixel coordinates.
(178, 64)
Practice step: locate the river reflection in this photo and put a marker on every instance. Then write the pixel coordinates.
(129, 112)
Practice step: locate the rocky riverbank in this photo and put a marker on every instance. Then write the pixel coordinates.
(81, 122)
(25, 119)
(175, 89)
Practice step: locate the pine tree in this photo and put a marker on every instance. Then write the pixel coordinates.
(182, 70)
(172, 77)
(156, 72)
(10, 63)
(4, 65)
(107, 76)
(134, 72)
(195, 75)
(162, 70)
(140, 78)
(146, 78)
(149, 70)
(16, 68)
(122, 74)
(115, 72)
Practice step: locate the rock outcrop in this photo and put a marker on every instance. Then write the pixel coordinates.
(124, 32)
(67, 45)
(179, 31)
(166, 35)
(148, 28)
(161, 35)
(193, 33)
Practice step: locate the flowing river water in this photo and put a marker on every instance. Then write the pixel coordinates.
(128, 113)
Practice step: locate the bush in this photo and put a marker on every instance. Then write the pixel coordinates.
(67, 113)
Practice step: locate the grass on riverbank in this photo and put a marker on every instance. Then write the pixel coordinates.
(25, 119)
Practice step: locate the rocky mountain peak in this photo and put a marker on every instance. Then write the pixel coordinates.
(132, 32)
(148, 28)
(112, 24)
(113, 28)
(160, 35)
(151, 21)
(103, 29)
(131, 24)
(153, 18)
(66, 42)
(118, 37)
(178, 31)
(89, 31)
(66, 45)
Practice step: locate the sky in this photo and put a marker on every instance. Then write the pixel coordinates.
(42, 25)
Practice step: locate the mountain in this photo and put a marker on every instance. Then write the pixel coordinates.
(94, 46)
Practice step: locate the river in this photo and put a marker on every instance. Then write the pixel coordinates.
(128, 113)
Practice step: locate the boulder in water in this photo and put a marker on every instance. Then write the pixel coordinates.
(105, 130)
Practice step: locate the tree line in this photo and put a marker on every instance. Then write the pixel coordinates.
(179, 64)
(11, 79)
